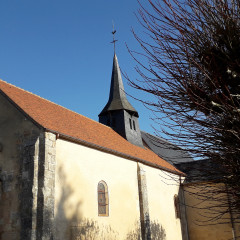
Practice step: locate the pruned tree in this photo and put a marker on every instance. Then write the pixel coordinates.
(192, 48)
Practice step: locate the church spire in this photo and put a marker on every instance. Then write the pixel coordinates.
(118, 113)
(117, 97)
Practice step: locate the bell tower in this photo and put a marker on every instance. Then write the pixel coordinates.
(118, 113)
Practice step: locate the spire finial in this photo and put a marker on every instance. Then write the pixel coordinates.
(113, 33)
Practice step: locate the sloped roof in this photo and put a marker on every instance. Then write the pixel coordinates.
(165, 149)
(65, 122)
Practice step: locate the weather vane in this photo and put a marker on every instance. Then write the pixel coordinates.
(113, 33)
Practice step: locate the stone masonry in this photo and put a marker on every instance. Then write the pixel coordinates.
(37, 195)
(46, 188)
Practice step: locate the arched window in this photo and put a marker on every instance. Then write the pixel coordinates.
(177, 206)
(102, 199)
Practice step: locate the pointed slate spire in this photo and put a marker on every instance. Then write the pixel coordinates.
(118, 113)
(117, 97)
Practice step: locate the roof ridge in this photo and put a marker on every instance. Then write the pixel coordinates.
(52, 102)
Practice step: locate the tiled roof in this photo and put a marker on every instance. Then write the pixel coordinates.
(58, 119)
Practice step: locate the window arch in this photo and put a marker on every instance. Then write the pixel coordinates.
(177, 206)
(103, 200)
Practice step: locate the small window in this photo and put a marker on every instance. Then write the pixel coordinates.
(177, 206)
(130, 122)
(102, 199)
(134, 127)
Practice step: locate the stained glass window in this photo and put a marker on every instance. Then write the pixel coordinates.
(102, 199)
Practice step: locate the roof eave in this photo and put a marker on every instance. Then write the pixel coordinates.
(111, 151)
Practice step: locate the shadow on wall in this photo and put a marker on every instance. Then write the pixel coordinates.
(90, 230)
(157, 232)
(62, 220)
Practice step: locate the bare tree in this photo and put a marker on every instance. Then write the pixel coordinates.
(193, 52)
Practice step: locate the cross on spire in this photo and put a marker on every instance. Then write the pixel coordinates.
(114, 41)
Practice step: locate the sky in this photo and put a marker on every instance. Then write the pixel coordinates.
(61, 51)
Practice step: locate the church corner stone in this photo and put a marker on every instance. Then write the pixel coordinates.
(46, 187)
(36, 188)
(143, 203)
(37, 194)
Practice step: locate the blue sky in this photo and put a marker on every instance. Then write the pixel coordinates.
(61, 50)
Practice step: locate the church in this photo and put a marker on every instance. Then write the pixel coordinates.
(64, 176)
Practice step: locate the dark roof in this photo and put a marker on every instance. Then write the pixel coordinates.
(117, 97)
(74, 126)
(201, 171)
(166, 150)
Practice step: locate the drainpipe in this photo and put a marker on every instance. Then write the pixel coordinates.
(183, 212)
(231, 215)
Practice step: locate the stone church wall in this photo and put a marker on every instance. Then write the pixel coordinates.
(27, 176)
(18, 149)
(79, 169)
(161, 189)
